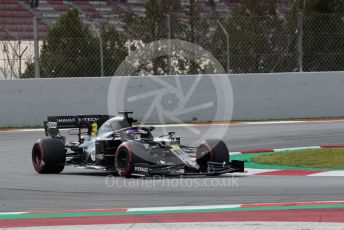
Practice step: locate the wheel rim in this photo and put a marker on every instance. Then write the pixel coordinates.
(122, 160)
(203, 155)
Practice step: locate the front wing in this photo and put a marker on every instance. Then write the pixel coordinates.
(213, 169)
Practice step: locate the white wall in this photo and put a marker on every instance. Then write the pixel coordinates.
(255, 97)
(288, 95)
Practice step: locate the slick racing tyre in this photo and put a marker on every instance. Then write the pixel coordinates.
(48, 156)
(211, 150)
(124, 160)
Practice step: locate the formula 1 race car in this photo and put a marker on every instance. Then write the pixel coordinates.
(113, 143)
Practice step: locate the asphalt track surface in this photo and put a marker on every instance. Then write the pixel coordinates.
(22, 189)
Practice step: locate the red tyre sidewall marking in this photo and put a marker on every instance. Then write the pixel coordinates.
(39, 167)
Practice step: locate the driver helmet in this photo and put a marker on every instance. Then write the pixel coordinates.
(134, 132)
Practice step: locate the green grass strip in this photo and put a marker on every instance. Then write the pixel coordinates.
(314, 158)
(97, 214)
(250, 162)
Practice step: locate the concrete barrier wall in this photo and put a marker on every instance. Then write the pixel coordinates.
(252, 97)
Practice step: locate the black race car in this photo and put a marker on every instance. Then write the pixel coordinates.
(113, 143)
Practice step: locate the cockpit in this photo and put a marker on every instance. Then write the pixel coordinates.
(136, 133)
(113, 124)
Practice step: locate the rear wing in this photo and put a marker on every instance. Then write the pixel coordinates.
(55, 123)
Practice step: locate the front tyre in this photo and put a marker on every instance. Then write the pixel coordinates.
(211, 150)
(48, 156)
(124, 162)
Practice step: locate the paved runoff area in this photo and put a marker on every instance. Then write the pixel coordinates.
(302, 214)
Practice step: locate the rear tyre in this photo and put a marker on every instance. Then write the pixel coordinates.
(211, 150)
(48, 156)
